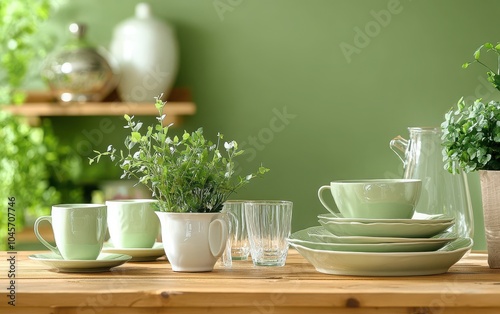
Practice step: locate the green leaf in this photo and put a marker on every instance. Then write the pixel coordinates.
(127, 117)
(263, 170)
(465, 65)
(497, 47)
(477, 54)
(159, 104)
(488, 45)
(135, 137)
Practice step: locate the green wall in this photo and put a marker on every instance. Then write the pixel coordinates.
(273, 76)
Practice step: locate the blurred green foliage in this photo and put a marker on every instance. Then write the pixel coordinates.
(35, 168)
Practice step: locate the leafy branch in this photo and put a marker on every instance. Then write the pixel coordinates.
(471, 137)
(186, 174)
(493, 75)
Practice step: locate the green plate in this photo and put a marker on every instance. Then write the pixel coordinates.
(386, 264)
(303, 238)
(104, 262)
(320, 234)
(382, 229)
(417, 218)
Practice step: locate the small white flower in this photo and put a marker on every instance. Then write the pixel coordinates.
(229, 145)
(136, 155)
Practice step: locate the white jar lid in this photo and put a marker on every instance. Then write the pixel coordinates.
(142, 10)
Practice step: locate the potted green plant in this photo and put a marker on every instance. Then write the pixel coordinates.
(471, 142)
(191, 177)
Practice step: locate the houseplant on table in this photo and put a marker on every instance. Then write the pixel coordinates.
(191, 178)
(471, 142)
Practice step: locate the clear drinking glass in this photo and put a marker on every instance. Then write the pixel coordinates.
(269, 224)
(238, 236)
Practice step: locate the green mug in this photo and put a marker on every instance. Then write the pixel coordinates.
(374, 198)
(79, 230)
(133, 223)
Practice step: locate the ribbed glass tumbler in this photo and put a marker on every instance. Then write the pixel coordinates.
(268, 224)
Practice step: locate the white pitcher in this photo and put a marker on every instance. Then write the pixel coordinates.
(193, 241)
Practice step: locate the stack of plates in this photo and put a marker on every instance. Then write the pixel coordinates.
(381, 247)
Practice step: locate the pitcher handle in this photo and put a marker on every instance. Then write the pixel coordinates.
(399, 145)
(217, 237)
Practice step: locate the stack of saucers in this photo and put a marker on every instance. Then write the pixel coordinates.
(420, 245)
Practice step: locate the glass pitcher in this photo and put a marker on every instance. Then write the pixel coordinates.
(442, 192)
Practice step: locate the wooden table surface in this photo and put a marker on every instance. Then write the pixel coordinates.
(152, 287)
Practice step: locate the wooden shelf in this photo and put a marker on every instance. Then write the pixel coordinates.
(178, 105)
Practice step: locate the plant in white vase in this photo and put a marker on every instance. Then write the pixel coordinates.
(191, 177)
(471, 142)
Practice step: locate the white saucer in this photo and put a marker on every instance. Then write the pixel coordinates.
(104, 262)
(137, 254)
(418, 218)
(386, 264)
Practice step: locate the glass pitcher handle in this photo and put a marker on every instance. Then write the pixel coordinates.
(399, 145)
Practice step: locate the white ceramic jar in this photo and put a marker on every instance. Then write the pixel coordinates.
(146, 50)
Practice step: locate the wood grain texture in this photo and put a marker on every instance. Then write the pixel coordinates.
(153, 287)
(179, 104)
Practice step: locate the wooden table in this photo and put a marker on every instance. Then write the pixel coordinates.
(152, 287)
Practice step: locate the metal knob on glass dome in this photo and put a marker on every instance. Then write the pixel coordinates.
(79, 72)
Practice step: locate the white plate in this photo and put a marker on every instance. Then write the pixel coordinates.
(104, 262)
(417, 218)
(320, 234)
(386, 264)
(138, 254)
(382, 229)
(302, 238)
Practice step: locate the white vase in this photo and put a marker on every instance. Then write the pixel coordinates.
(193, 241)
(146, 50)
